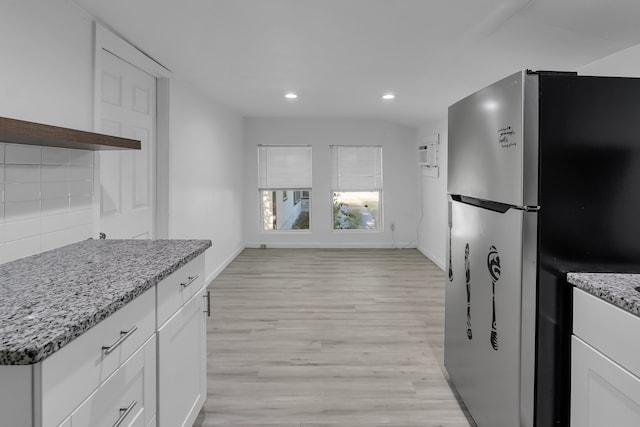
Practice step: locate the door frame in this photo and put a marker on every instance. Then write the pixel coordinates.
(107, 40)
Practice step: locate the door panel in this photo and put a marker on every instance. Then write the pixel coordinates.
(128, 109)
(182, 364)
(483, 312)
(486, 143)
(603, 393)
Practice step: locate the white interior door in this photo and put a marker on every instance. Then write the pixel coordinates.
(127, 190)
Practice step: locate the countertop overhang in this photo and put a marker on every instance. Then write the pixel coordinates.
(49, 299)
(619, 289)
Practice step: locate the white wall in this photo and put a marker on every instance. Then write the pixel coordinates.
(206, 174)
(46, 76)
(625, 63)
(400, 169)
(47, 63)
(433, 227)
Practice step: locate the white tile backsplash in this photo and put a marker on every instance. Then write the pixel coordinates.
(55, 156)
(46, 198)
(56, 173)
(22, 210)
(65, 237)
(18, 230)
(81, 188)
(55, 190)
(21, 248)
(65, 221)
(23, 154)
(55, 206)
(81, 173)
(81, 157)
(21, 192)
(21, 174)
(81, 202)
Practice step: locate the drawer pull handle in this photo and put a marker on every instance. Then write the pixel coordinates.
(191, 280)
(125, 335)
(208, 298)
(124, 412)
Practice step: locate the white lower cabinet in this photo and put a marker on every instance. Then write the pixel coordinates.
(605, 369)
(182, 349)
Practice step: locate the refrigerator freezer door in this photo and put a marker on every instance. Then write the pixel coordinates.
(483, 312)
(486, 150)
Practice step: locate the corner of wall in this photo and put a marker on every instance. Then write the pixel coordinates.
(432, 258)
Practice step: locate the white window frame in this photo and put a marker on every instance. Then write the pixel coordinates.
(279, 181)
(357, 185)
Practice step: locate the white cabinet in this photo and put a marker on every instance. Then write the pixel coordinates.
(605, 368)
(182, 353)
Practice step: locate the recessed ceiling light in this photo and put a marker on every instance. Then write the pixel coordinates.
(291, 95)
(389, 96)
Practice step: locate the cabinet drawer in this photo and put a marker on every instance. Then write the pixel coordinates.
(611, 330)
(176, 289)
(74, 372)
(127, 396)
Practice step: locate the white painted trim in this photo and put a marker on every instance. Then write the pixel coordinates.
(113, 43)
(432, 258)
(324, 245)
(163, 159)
(107, 40)
(211, 277)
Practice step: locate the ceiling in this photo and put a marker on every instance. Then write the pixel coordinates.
(340, 56)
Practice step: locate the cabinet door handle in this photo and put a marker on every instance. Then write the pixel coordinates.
(208, 298)
(125, 334)
(190, 281)
(124, 412)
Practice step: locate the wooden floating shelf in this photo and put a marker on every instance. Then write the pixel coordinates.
(23, 132)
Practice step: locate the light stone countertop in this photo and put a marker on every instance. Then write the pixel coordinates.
(48, 299)
(622, 290)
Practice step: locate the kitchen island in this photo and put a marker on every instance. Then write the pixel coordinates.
(605, 369)
(79, 322)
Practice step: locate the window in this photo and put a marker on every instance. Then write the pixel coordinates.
(284, 178)
(356, 186)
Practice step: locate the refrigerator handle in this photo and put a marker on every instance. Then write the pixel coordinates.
(480, 203)
(489, 205)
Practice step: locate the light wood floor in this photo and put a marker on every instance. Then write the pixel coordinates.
(328, 338)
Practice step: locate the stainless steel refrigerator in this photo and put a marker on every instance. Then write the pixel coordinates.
(543, 178)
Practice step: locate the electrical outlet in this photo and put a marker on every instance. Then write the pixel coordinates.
(263, 246)
(393, 226)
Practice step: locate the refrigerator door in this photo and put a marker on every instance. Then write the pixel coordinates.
(483, 312)
(487, 155)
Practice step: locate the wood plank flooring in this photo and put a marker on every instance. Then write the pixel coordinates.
(328, 338)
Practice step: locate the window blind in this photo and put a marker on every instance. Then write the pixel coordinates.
(355, 168)
(284, 166)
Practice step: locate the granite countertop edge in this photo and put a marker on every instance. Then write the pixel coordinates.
(621, 290)
(29, 354)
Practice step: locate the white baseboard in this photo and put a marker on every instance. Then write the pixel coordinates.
(217, 271)
(433, 258)
(321, 245)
